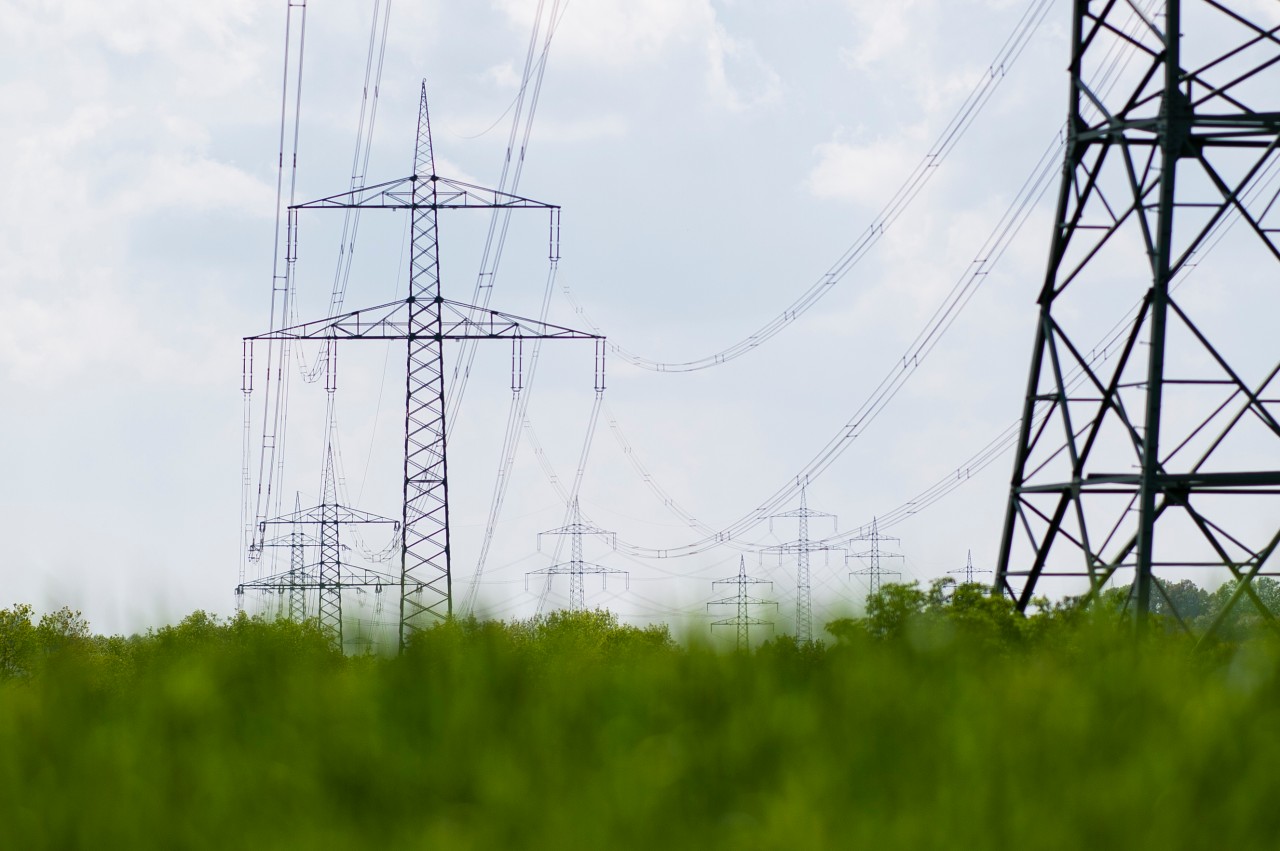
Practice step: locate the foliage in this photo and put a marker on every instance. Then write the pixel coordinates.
(943, 615)
(941, 720)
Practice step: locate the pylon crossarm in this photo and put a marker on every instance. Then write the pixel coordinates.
(400, 195)
(738, 600)
(735, 621)
(458, 321)
(353, 578)
(293, 539)
(382, 322)
(315, 515)
(467, 322)
(364, 577)
(577, 567)
(738, 580)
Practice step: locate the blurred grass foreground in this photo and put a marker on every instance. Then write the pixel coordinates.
(937, 721)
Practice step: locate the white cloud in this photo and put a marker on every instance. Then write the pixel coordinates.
(193, 183)
(554, 129)
(620, 32)
(614, 34)
(503, 75)
(866, 174)
(737, 75)
(883, 31)
(95, 332)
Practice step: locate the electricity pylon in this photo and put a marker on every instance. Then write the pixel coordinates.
(577, 569)
(802, 546)
(1153, 446)
(291, 583)
(743, 602)
(968, 571)
(874, 571)
(330, 575)
(424, 321)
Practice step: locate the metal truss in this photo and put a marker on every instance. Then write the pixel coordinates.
(1150, 450)
(802, 547)
(968, 571)
(329, 576)
(424, 321)
(743, 602)
(577, 568)
(874, 570)
(299, 583)
(393, 321)
(297, 541)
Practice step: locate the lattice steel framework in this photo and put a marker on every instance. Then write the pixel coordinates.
(873, 556)
(577, 568)
(802, 547)
(288, 586)
(968, 571)
(1150, 450)
(742, 601)
(424, 321)
(329, 576)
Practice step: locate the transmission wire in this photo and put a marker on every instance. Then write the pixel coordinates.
(951, 134)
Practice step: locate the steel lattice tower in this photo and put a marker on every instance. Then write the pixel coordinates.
(1151, 450)
(874, 571)
(290, 586)
(424, 321)
(968, 571)
(802, 546)
(298, 541)
(743, 602)
(577, 568)
(330, 576)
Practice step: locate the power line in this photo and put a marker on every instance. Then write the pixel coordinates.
(424, 321)
(951, 134)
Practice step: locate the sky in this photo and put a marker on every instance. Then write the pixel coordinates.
(712, 159)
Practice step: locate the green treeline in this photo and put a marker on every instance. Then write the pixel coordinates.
(940, 720)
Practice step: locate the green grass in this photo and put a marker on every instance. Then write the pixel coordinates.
(573, 732)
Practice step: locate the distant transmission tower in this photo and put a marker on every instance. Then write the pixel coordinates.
(1152, 447)
(743, 602)
(874, 571)
(802, 546)
(290, 588)
(968, 571)
(577, 569)
(424, 321)
(330, 576)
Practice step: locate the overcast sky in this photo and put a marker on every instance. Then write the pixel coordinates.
(713, 160)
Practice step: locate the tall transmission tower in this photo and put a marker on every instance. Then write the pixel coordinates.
(802, 547)
(1155, 447)
(577, 568)
(424, 321)
(743, 602)
(329, 576)
(968, 571)
(874, 570)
